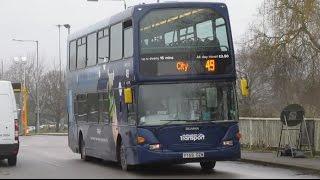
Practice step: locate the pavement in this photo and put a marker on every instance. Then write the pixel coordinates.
(261, 158)
(48, 157)
(272, 159)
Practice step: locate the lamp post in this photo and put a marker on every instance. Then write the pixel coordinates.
(59, 27)
(124, 2)
(37, 81)
(1, 69)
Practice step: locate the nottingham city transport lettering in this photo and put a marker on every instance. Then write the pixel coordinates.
(192, 137)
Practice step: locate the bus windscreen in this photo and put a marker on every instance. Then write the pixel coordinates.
(183, 41)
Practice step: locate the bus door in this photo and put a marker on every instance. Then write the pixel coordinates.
(130, 113)
(106, 144)
(94, 138)
(72, 127)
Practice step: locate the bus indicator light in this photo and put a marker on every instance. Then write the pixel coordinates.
(182, 66)
(141, 140)
(211, 65)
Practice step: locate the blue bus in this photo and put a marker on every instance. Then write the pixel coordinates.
(155, 83)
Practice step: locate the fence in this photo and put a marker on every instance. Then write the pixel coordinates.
(265, 132)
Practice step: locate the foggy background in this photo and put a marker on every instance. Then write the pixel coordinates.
(37, 20)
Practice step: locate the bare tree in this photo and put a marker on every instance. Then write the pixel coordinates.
(282, 57)
(53, 97)
(15, 73)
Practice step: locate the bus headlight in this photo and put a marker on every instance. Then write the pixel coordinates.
(153, 147)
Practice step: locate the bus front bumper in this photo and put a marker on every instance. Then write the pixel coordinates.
(145, 156)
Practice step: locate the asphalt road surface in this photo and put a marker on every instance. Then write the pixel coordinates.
(49, 157)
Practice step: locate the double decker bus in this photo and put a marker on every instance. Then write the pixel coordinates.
(155, 83)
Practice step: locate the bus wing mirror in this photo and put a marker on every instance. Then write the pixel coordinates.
(244, 87)
(128, 96)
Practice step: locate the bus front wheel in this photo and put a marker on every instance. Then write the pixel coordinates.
(208, 166)
(123, 159)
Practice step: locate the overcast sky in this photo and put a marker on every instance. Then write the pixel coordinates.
(37, 20)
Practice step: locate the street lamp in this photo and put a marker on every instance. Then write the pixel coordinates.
(59, 26)
(68, 27)
(37, 81)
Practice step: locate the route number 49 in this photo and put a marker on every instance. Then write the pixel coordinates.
(211, 65)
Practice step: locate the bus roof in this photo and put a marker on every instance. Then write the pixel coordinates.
(126, 14)
(102, 24)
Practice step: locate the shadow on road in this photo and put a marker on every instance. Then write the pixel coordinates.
(164, 170)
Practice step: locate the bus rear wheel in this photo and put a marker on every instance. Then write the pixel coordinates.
(83, 150)
(208, 165)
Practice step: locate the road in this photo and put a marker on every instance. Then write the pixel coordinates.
(49, 157)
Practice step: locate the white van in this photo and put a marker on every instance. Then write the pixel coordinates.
(9, 126)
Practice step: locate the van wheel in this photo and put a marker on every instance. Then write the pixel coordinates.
(208, 166)
(12, 161)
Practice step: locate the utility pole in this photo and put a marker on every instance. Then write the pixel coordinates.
(60, 65)
(37, 94)
(37, 81)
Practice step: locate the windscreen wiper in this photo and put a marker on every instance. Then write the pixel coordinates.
(221, 121)
(175, 120)
(172, 120)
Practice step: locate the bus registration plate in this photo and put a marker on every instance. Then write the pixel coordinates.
(191, 155)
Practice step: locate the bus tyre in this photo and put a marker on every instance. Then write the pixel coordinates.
(12, 161)
(207, 166)
(83, 150)
(123, 159)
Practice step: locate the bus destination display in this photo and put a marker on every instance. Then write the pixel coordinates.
(186, 64)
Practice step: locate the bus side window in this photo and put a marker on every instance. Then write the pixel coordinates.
(103, 46)
(82, 107)
(116, 41)
(93, 108)
(104, 108)
(81, 53)
(72, 55)
(128, 39)
(92, 49)
(75, 108)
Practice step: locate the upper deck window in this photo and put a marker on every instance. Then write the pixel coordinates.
(184, 41)
(92, 49)
(103, 45)
(183, 30)
(116, 42)
(128, 39)
(73, 55)
(81, 53)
